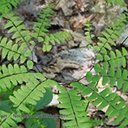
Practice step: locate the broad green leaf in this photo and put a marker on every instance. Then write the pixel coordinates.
(45, 100)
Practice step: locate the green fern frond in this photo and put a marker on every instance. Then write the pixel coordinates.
(34, 123)
(8, 5)
(9, 120)
(73, 109)
(115, 58)
(107, 41)
(11, 76)
(111, 72)
(43, 23)
(88, 32)
(14, 51)
(52, 39)
(16, 26)
(30, 94)
(41, 120)
(116, 2)
(113, 104)
(41, 30)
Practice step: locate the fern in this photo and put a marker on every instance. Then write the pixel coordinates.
(8, 5)
(34, 123)
(24, 98)
(29, 94)
(108, 40)
(88, 32)
(37, 122)
(113, 69)
(114, 104)
(9, 119)
(14, 51)
(116, 2)
(41, 31)
(110, 69)
(25, 86)
(43, 23)
(114, 63)
(74, 113)
(11, 76)
(15, 25)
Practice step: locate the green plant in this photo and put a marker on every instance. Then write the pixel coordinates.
(116, 2)
(25, 91)
(8, 5)
(24, 87)
(88, 33)
(111, 71)
(69, 103)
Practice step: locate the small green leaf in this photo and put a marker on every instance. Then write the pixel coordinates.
(112, 54)
(111, 42)
(40, 39)
(97, 68)
(102, 39)
(11, 69)
(105, 80)
(96, 78)
(16, 68)
(123, 62)
(104, 51)
(99, 57)
(5, 70)
(124, 52)
(30, 64)
(107, 46)
(125, 74)
(112, 71)
(4, 53)
(47, 48)
(120, 83)
(118, 73)
(89, 76)
(22, 59)
(118, 53)
(10, 55)
(125, 87)
(106, 57)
